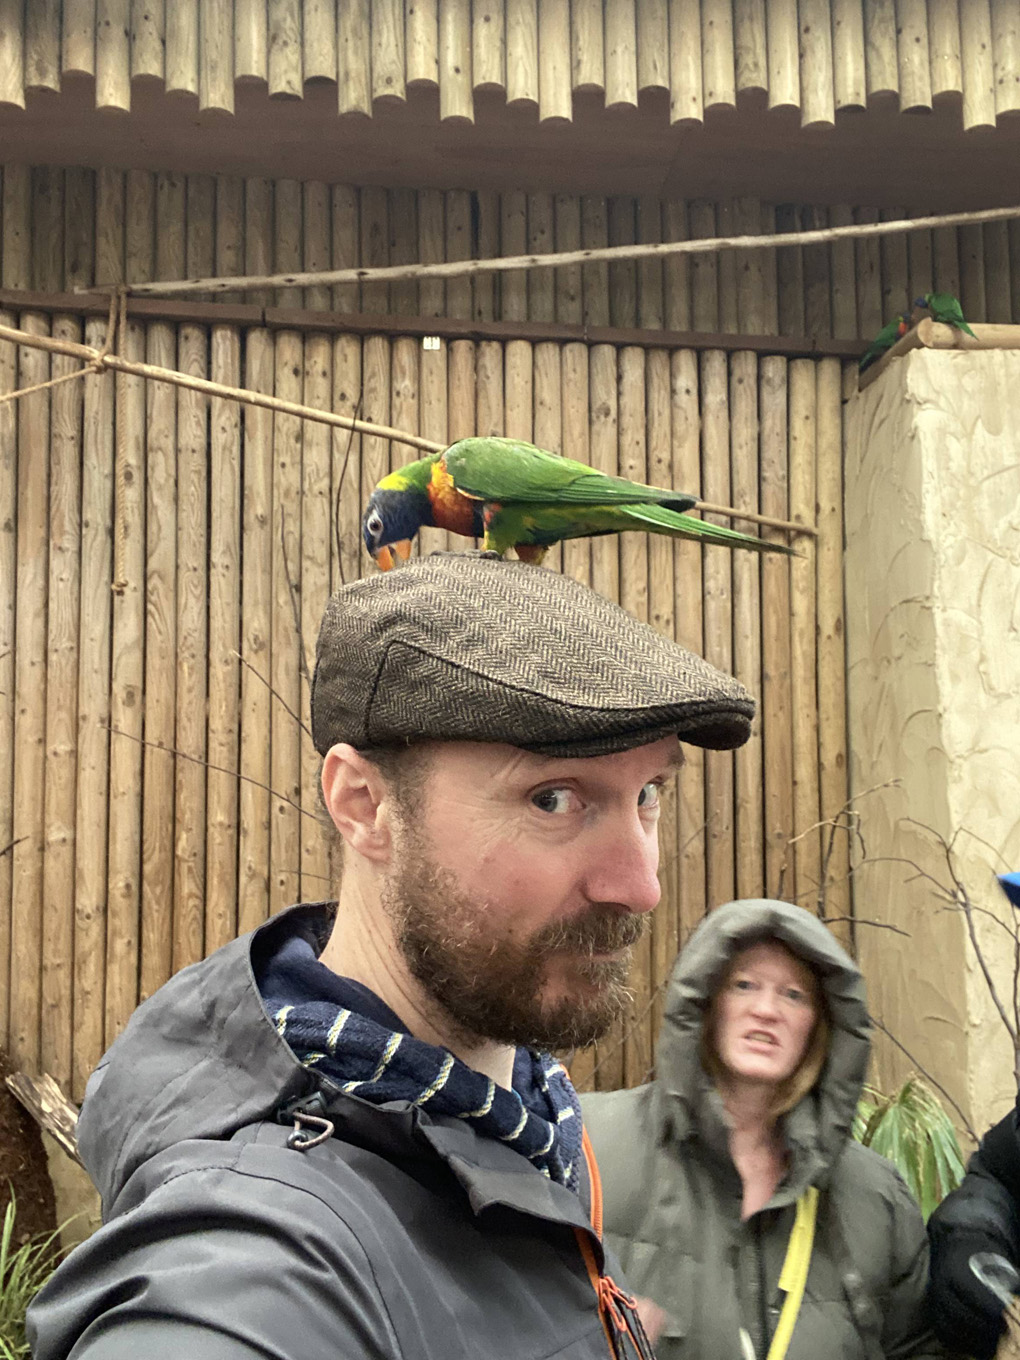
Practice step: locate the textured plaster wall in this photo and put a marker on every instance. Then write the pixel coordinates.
(933, 635)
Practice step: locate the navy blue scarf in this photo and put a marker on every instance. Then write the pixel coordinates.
(341, 1029)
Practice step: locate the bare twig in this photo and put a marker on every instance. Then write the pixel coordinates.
(275, 693)
(864, 921)
(6, 849)
(926, 1074)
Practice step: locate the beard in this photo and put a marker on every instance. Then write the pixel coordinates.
(489, 982)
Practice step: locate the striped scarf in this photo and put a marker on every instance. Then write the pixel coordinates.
(539, 1117)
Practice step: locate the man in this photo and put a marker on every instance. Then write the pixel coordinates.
(341, 1136)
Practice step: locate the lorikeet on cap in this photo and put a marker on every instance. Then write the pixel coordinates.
(514, 495)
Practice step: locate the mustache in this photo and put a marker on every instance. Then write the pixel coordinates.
(604, 929)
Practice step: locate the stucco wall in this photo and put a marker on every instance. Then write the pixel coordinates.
(933, 632)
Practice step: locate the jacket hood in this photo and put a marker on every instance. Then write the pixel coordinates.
(199, 1059)
(817, 1128)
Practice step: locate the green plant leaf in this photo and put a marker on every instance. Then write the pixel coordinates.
(912, 1129)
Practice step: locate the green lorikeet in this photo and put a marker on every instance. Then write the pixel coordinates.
(945, 308)
(884, 340)
(514, 495)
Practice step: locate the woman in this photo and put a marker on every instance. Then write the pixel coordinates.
(746, 1132)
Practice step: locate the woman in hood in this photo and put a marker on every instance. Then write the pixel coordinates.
(741, 1209)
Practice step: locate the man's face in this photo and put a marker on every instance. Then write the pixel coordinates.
(519, 885)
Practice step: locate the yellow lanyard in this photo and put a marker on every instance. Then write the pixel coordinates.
(793, 1276)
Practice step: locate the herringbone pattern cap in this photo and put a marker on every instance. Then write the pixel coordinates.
(466, 646)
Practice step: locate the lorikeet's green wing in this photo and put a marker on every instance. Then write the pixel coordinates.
(884, 340)
(547, 524)
(508, 470)
(946, 308)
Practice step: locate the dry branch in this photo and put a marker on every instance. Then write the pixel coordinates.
(46, 1103)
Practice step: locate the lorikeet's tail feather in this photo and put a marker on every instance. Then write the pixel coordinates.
(658, 520)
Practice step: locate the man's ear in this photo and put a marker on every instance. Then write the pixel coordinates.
(353, 789)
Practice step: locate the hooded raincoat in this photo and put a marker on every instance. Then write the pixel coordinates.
(401, 1236)
(673, 1197)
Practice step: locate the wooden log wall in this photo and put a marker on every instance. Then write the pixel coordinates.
(164, 559)
(819, 57)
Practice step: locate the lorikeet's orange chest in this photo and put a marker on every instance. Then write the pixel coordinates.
(451, 510)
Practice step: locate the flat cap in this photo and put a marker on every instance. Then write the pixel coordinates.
(466, 646)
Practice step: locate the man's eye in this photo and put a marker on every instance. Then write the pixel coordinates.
(649, 796)
(554, 800)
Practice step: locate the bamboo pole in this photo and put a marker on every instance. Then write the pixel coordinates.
(286, 78)
(717, 53)
(387, 43)
(783, 54)
(251, 40)
(216, 59)
(686, 95)
(944, 47)
(42, 45)
(776, 705)
(318, 40)
(972, 274)
(522, 52)
(1006, 55)
(621, 55)
(817, 92)
(113, 54)
(914, 60)
(422, 32)
(790, 272)
(222, 742)
(158, 766)
(554, 102)
(849, 64)
(750, 46)
(182, 47)
(803, 615)
(652, 44)
(869, 280)
(880, 47)
(832, 748)
(353, 86)
(78, 38)
(998, 301)
(91, 828)
(455, 99)
(588, 48)
(147, 41)
(488, 45)
(12, 53)
(896, 295)
(977, 64)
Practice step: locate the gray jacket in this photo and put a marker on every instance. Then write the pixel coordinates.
(402, 1235)
(673, 1196)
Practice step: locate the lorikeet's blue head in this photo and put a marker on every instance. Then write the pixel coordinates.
(391, 519)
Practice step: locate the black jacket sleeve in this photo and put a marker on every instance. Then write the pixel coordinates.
(983, 1215)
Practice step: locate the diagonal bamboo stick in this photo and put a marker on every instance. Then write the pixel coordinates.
(504, 264)
(97, 360)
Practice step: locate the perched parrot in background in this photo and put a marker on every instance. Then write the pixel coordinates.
(514, 495)
(885, 340)
(945, 308)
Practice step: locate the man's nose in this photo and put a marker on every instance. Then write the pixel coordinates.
(624, 867)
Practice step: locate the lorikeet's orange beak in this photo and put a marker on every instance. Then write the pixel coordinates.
(384, 557)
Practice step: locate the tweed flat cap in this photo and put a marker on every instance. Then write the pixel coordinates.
(466, 646)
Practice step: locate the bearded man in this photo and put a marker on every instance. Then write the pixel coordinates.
(343, 1135)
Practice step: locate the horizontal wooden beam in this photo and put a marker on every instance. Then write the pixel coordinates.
(931, 334)
(447, 328)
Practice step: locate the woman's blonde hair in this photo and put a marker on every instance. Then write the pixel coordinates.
(805, 1077)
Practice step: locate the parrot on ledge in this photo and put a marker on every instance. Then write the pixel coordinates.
(514, 495)
(945, 308)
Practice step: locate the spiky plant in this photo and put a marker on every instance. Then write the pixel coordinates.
(24, 1270)
(912, 1129)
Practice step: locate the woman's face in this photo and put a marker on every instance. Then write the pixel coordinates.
(764, 1014)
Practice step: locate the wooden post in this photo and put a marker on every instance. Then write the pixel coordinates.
(848, 55)
(251, 40)
(783, 54)
(704, 270)
(554, 102)
(488, 45)
(518, 361)
(353, 85)
(387, 40)
(574, 368)
(817, 94)
(284, 54)
(182, 47)
(78, 38)
(422, 37)
(522, 52)
(653, 44)
(433, 363)
(461, 359)
(998, 300)
(869, 279)
(914, 61)
(158, 767)
(790, 271)
(216, 56)
(621, 54)
(832, 753)
(946, 250)
(880, 47)
(717, 53)
(1006, 53)
(944, 47)
(803, 616)
(548, 415)
(727, 266)
(318, 40)
(113, 55)
(896, 295)
(588, 50)
(12, 53)
(42, 45)
(489, 412)
(977, 64)
(919, 255)
(455, 99)
(750, 46)
(972, 273)
(686, 96)
(147, 41)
